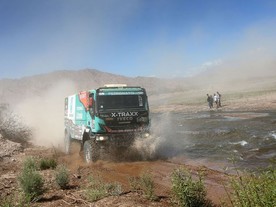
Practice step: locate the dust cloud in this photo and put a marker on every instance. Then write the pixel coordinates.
(234, 63)
(43, 113)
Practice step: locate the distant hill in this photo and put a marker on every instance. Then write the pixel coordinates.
(65, 82)
(14, 90)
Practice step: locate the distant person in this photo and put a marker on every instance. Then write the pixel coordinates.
(216, 100)
(210, 101)
(219, 99)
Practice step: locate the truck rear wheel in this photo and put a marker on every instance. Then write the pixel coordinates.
(90, 150)
(67, 143)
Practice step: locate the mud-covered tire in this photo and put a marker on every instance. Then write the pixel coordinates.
(67, 143)
(90, 151)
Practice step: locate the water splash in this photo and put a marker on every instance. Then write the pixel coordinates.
(241, 143)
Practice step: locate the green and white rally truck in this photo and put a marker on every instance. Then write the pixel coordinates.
(108, 117)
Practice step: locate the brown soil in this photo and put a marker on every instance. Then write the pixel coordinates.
(109, 171)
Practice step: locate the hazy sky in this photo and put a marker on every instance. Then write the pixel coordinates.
(130, 37)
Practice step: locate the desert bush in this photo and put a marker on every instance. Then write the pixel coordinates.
(11, 126)
(30, 163)
(62, 177)
(39, 164)
(145, 184)
(97, 189)
(254, 189)
(31, 182)
(134, 183)
(186, 191)
(47, 163)
(7, 202)
(114, 189)
(16, 200)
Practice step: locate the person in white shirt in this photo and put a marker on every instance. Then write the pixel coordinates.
(216, 99)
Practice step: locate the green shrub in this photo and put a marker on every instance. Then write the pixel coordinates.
(97, 189)
(62, 177)
(31, 183)
(47, 163)
(253, 189)
(16, 200)
(30, 163)
(147, 186)
(114, 189)
(94, 194)
(186, 191)
(7, 202)
(134, 183)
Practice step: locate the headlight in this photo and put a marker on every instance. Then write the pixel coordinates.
(101, 138)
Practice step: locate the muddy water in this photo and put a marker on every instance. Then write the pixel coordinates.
(216, 138)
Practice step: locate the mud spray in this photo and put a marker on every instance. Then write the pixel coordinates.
(161, 142)
(43, 113)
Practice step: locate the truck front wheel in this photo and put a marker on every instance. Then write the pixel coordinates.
(91, 153)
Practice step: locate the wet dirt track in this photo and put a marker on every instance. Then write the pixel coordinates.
(160, 170)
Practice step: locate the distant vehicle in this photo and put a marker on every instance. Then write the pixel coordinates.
(107, 117)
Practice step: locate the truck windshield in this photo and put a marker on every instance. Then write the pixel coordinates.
(106, 102)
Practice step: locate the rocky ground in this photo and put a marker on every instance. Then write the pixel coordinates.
(12, 155)
(8, 148)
